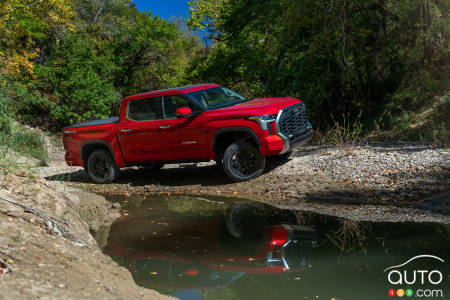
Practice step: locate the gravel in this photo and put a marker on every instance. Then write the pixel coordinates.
(377, 167)
(377, 182)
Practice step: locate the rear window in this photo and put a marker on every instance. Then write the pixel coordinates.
(148, 109)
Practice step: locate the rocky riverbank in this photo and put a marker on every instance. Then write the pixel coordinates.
(377, 182)
(46, 221)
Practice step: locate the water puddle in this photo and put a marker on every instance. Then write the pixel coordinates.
(204, 247)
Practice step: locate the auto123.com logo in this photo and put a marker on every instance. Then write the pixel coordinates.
(420, 283)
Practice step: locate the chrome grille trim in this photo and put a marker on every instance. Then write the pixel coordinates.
(286, 144)
(293, 120)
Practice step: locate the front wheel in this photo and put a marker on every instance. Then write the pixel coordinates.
(242, 161)
(101, 167)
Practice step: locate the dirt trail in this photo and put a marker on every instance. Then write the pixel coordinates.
(403, 182)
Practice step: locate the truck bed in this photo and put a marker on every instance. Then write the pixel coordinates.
(96, 122)
(97, 132)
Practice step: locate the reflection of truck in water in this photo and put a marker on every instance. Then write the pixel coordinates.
(188, 251)
(347, 262)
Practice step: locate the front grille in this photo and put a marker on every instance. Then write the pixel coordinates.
(293, 120)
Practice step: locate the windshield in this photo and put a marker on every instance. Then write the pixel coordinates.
(217, 97)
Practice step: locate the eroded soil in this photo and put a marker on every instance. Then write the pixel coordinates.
(47, 251)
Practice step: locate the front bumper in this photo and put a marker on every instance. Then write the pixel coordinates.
(299, 131)
(280, 144)
(295, 141)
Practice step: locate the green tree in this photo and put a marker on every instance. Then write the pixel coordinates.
(343, 58)
(80, 76)
(27, 28)
(68, 61)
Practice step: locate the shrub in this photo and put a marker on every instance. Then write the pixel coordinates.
(16, 137)
(81, 80)
(6, 116)
(30, 144)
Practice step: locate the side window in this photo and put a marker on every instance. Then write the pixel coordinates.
(145, 109)
(172, 103)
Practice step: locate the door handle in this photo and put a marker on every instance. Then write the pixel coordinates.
(164, 127)
(126, 130)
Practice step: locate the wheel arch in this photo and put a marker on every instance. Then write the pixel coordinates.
(90, 146)
(226, 136)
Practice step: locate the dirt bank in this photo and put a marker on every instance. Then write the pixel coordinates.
(378, 182)
(48, 252)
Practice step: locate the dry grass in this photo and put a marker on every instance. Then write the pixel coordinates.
(351, 236)
(345, 135)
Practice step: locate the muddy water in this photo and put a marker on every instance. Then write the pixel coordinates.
(222, 248)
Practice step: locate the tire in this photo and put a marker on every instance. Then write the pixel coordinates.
(101, 167)
(152, 166)
(245, 220)
(242, 161)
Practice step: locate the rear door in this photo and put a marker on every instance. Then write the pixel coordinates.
(141, 133)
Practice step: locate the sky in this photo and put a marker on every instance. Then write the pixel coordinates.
(164, 8)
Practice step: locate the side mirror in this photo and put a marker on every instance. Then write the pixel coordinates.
(183, 112)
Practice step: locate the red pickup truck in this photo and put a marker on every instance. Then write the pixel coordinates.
(189, 124)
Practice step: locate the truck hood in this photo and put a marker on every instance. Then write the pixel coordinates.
(261, 106)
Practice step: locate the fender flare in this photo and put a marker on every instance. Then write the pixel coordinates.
(235, 129)
(96, 142)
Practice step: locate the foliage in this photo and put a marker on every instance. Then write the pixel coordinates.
(379, 63)
(81, 79)
(28, 28)
(6, 116)
(26, 103)
(69, 61)
(28, 143)
(381, 57)
(16, 137)
(205, 14)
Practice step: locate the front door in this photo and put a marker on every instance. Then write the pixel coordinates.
(185, 138)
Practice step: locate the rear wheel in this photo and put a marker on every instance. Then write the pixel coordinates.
(242, 161)
(101, 167)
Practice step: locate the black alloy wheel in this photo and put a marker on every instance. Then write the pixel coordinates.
(101, 167)
(242, 161)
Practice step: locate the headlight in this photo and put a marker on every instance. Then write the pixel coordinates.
(264, 120)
